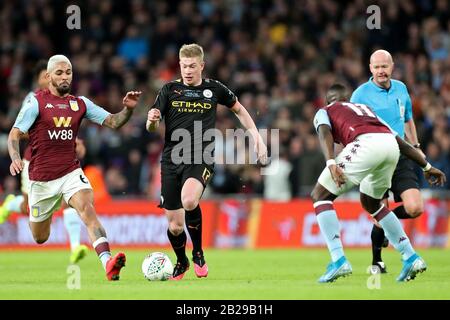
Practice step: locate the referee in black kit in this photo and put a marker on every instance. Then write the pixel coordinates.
(188, 106)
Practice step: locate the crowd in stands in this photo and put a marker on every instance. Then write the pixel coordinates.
(278, 56)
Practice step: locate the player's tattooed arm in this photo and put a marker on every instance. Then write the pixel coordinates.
(117, 120)
(14, 151)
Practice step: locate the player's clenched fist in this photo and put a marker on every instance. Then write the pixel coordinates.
(154, 115)
(16, 167)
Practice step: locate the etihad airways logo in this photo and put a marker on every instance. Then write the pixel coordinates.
(62, 121)
(187, 105)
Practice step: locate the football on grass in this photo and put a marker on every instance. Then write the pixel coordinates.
(157, 267)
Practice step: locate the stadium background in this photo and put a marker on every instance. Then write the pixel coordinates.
(278, 56)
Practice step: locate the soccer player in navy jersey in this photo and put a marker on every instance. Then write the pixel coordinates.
(52, 118)
(369, 158)
(189, 105)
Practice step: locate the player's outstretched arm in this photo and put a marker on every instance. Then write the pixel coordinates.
(153, 119)
(248, 123)
(117, 120)
(14, 151)
(435, 177)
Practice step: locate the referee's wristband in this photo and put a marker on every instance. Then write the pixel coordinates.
(331, 162)
(427, 167)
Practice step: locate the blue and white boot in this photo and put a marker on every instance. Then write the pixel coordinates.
(340, 268)
(411, 267)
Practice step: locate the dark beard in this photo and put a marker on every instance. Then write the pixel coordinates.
(63, 90)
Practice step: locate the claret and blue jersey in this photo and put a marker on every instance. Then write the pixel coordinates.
(348, 120)
(52, 123)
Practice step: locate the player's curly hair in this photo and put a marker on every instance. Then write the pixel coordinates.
(192, 50)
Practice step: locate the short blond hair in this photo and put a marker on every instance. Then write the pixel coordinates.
(54, 60)
(192, 50)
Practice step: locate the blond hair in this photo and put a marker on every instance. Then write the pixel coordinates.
(54, 60)
(192, 50)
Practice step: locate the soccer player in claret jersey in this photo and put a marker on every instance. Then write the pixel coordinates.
(19, 204)
(52, 119)
(368, 159)
(189, 105)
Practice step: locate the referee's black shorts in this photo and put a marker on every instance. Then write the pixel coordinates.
(173, 178)
(404, 178)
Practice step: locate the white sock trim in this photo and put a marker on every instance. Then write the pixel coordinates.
(318, 203)
(378, 211)
(99, 241)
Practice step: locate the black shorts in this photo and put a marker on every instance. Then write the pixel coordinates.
(173, 178)
(404, 178)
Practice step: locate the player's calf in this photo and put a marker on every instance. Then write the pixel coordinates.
(40, 231)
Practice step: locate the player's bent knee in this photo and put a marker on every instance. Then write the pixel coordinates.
(414, 210)
(189, 203)
(175, 229)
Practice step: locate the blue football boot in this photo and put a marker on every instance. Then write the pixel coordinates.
(411, 268)
(340, 268)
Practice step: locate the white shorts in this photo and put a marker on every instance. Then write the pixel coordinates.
(24, 177)
(369, 162)
(45, 196)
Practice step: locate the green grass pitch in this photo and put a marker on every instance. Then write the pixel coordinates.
(234, 274)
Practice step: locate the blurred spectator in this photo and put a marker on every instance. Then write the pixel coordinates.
(276, 185)
(134, 46)
(117, 183)
(312, 163)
